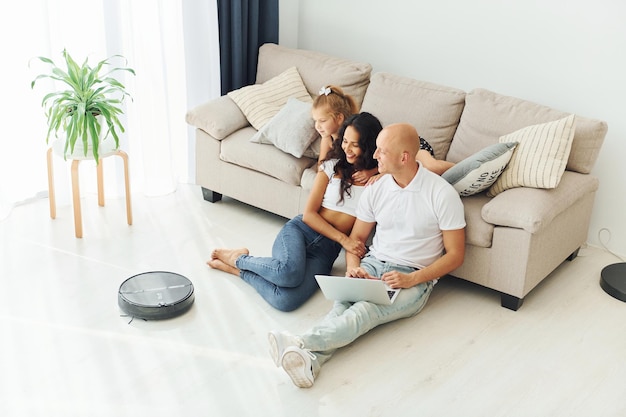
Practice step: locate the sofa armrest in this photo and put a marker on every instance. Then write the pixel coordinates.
(532, 209)
(219, 117)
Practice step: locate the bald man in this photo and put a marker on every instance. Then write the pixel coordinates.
(420, 236)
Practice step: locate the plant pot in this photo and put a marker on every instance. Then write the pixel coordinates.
(105, 146)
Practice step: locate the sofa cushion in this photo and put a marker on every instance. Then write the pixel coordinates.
(315, 68)
(219, 117)
(308, 178)
(478, 232)
(540, 157)
(292, 130)
(488, 115)
(532, 209)
(433, 109)
(261, 102)
(237, 149)
(478, 172)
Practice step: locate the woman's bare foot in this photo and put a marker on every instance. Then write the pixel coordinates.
(218, 264)
(229, 256)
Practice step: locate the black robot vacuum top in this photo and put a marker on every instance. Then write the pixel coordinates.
(156, 295)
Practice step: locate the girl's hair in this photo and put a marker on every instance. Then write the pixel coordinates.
(368, 127)
(337, 102)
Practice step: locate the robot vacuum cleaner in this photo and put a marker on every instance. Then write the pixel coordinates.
(155, 295)
(613, 280)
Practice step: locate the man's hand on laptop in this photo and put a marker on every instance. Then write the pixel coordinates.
(395, 279)
(359, 272)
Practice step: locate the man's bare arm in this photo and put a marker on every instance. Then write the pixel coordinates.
(454, 244)
(360, 231)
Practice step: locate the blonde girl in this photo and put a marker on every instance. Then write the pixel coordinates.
(331, 108)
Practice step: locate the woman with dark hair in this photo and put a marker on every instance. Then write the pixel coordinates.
(309, 243)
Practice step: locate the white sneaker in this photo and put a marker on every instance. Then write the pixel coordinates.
(297, 363)
(279, 341)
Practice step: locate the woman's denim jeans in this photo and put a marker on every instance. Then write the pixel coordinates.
(287, 279)
(347, 321)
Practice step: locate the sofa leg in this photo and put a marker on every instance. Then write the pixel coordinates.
(210, 195)
(573, 255)
(510, 302)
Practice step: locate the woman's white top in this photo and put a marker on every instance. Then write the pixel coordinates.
(332, 195)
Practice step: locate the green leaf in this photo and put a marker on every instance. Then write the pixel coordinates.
(90, 95)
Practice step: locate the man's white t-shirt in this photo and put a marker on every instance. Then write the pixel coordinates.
(409, 220)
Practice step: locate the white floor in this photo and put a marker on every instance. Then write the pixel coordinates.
(67, 351)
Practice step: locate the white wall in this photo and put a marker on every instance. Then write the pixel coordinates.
(567, 54)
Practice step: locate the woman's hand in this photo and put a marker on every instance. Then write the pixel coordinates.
(359, 177)
(373, 179)
(355, 247)
(364, 176)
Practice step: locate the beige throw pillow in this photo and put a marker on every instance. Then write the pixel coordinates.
(540, 157)
(260, 102)
(219, 117)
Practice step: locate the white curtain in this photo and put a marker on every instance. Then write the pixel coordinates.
(171, 44)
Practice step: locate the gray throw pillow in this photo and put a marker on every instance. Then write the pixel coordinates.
(477, 172)
(292, 130)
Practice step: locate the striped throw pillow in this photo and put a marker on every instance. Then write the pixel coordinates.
(540, 157)
(260, 102)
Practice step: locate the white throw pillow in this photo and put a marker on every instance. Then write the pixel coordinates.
(478, 172)
(292, 130)
(540, 158)
(260, 102)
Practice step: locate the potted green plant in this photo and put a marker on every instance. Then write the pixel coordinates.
(91, 102)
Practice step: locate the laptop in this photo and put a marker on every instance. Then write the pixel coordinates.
(338, 288)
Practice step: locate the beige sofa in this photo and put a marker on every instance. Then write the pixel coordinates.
(514, 240)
